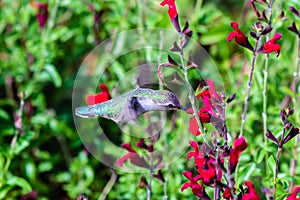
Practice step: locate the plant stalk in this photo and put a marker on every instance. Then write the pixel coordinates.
(247, 99)
(279, 150)
(191, 94)
(149, 187)
(295, 151)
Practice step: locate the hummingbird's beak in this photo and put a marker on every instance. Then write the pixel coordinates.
(183, 108)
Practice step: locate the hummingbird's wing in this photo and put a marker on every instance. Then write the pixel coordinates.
(131, 110)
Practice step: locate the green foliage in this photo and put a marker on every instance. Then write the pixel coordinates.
(46, 154)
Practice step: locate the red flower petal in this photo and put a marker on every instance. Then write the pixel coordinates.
(271, 46)
(293, 196)
(41, 12)
(103, 96)
(172, 11)
(251, 194)
(193, 127)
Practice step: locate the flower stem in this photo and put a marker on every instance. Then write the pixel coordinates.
(109, 185)
(165, 191)
(295, 84)
(247, 99)
(276, 171)
(217, 189)
(264, 93)
(191, 94)
(149, 187)
(19, 130)
(280, 147)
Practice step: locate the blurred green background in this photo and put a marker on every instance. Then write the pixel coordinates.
(48, 156)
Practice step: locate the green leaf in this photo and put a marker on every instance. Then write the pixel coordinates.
(2, 161)
(245, 172)
(287, 91)
(4, 115)
(271, 164)
(89, 175)
(18, 181)
(30, 170)
(285, 183)
(261, 153)
(45, 166)
(63, 177)
(4, 190)
(54, 75)
(20, 146)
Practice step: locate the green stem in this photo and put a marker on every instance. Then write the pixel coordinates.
(109, 185)
(45, 37)
(165, 191)
(191, 94)
(264, 93)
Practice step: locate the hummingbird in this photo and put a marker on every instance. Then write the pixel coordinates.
(131, 104)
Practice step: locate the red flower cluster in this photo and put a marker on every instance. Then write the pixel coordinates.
(41, 12)
(239, 146)
(197, 189)
(239, 37)
(103, 96)
(205, 112)
(270, 45)
(251, 194)
(205, 165)
(293, 196)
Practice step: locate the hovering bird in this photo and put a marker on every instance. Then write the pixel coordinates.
(128, 106)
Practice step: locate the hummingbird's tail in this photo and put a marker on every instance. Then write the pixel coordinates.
(86, 112)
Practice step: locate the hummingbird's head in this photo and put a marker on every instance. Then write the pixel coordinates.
(170, 101)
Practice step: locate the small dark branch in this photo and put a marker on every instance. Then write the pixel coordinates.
(276, 170)
(295, 151)
(270, 12)
(294, 162)
(230, 185)
(151, 169)
(217, 189)
(280, 147)
(249, 86)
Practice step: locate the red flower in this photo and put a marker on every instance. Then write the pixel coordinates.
(251, 194)
(204, 164)
(239, 37)
(270, 45)
(204, 118)
(239, 146)
(42, 12)
(92, 99)
(205, 112)
(293, 196)
(197, 189)
(227, 194)
(132, 156)
(172, 11)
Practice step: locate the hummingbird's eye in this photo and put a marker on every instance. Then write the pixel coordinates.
(171, 106)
